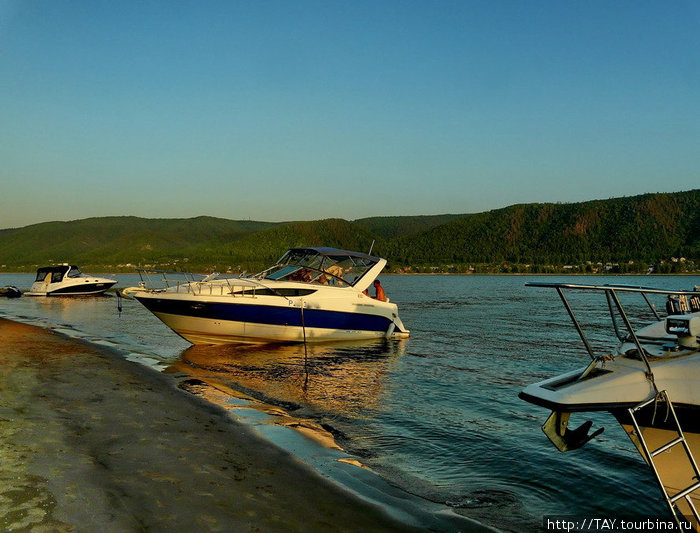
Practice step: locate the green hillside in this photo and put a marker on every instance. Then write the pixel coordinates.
(649, 229)
(393, 227)
(118, 240)
(646, 228)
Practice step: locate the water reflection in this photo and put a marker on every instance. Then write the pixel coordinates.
(67, 311)
(337, 379)
(437, 414)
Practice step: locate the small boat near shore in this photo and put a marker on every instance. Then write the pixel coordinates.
(309, 295)
(67, 280)
(650, 383)
(10, 292)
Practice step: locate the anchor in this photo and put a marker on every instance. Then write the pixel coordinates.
(563, 438)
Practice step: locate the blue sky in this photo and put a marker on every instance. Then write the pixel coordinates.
(302, 110)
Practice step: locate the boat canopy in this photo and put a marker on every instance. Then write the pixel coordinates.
(58, 272)
(326, 266)
(328, 252)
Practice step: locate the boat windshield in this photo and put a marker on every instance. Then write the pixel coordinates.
(56, 273)
(309, 266)
(74, 272)
(41, 274)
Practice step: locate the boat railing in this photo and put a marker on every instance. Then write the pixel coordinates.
(211, 285)
(235, 287)
(617, 310)
(168, 278)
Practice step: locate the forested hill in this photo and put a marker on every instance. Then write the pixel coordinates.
(646, 228)
(391, 227)
(118, 240)
(658, 230)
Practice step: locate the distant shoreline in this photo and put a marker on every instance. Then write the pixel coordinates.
(532, 274)
(577, 274)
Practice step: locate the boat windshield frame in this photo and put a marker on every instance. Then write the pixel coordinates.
(321, 266)
(74, 272)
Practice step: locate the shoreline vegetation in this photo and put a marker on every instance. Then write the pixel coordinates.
(673, 266)
(650, 233)
(486, 271)
(92, 442)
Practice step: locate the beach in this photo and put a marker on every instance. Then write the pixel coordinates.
(92, 442)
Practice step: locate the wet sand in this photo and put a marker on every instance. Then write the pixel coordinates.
(92, 442)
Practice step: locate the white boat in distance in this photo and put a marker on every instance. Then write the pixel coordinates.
(67, 280)
(650, 383)
(309, 295)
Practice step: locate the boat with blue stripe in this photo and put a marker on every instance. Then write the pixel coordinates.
(310, 295)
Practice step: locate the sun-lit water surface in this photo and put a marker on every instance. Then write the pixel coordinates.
(437, 414)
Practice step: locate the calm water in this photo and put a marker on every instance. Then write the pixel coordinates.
(438, 414)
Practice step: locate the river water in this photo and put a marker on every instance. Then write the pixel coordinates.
(437, 415)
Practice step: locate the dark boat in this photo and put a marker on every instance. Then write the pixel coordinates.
(10, 292)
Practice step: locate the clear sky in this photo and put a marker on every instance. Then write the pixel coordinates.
(302, 110)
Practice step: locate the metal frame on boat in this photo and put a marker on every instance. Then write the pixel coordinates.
(309, 295)
(649, 383)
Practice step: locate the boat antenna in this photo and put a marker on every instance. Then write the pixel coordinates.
(370, 248)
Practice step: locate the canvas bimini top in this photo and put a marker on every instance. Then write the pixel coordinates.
(58, 272)
(329, 252)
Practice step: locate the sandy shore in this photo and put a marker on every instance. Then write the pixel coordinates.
(91, 442)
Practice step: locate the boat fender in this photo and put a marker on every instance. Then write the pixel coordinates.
(128, 291)
(390, 330)
(565, 439)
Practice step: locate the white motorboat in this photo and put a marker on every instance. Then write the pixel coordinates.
(650, 383)
(67, 280)
(309, 295)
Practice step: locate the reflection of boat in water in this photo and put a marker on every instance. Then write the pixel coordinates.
(67, 280)
(650, 383)
(309, 295)
(341, 377)
(10, 292)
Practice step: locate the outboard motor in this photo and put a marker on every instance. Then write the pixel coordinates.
(694, 304)
(677, 304)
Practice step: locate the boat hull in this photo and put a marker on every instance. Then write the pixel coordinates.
(83, 289)
(211, 331)
(224, 322)
(674, 465)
